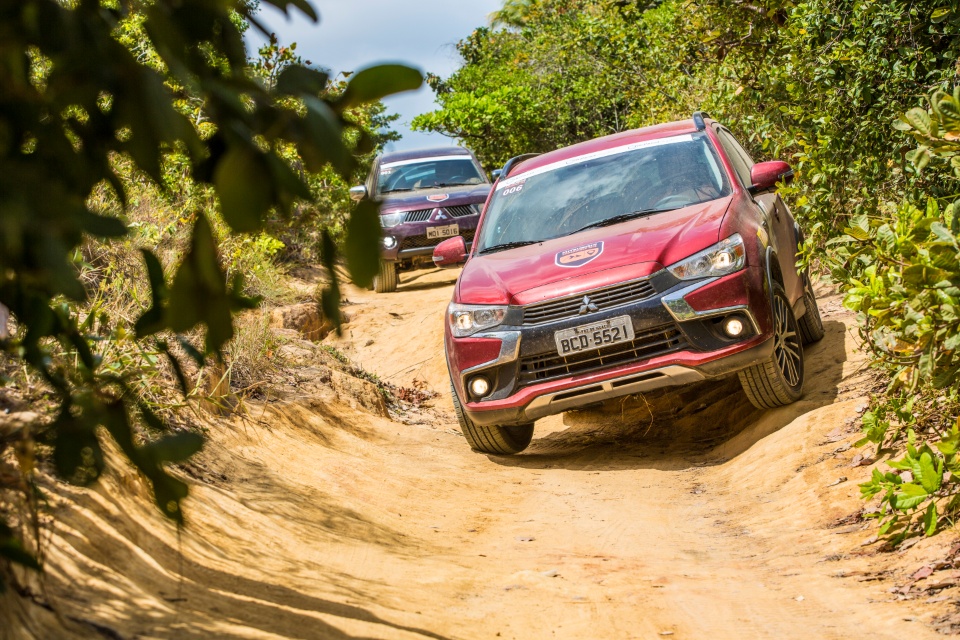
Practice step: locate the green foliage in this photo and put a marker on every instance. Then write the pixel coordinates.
(96, 100)
(922, 489)
(902, 276)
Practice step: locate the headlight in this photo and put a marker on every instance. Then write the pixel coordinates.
(391, 219)
(467, 319)
(722, 258)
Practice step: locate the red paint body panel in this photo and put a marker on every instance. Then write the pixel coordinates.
(648, 243)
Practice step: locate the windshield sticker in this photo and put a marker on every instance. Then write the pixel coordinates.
(593, 156)
(517, 188)
(385, 171)
(579, 256)
(439, 197)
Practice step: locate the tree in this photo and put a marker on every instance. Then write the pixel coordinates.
(75, 99)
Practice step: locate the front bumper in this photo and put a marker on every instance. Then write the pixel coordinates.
(410, 238)
(679, 341)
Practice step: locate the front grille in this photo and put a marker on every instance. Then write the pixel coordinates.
(461, 210)
(418, 216)
(550, 366)
(605, 298)
(420, 242)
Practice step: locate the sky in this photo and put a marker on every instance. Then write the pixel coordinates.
(353, 34)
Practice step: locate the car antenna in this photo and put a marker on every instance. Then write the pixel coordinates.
(698, 119)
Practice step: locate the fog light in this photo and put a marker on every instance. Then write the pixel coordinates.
(733, 327)
(389, 242)
(479, 386)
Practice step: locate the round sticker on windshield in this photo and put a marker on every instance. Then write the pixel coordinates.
(579, 256)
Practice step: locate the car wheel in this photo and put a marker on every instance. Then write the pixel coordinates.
(492, 439)
(386, 280)
(810, 323)
(779, 380)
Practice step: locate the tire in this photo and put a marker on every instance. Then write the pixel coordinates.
(495, 440)
(810, 323)
(779, 380)
(386, 281)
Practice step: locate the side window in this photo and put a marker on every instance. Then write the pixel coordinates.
(738, 157)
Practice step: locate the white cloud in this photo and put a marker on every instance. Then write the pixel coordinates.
(356, 33)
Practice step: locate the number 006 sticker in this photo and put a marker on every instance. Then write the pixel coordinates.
(517, 188)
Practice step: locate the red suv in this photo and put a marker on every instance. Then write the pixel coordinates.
(654, 257)
(427, 196)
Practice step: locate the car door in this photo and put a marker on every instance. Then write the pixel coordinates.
(779, 221)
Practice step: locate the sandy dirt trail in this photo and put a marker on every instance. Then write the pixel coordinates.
(683, 514)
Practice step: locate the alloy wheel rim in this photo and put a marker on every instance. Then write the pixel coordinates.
(786, 343)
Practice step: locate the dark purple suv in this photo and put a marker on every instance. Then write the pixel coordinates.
(428, 195)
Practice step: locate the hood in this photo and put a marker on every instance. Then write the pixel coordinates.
(592, 258)
(420, 199)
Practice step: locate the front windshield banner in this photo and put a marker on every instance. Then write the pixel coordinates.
(402, 163)
(520, 177)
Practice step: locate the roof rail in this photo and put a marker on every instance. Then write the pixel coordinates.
(698, 117)
(512, 162)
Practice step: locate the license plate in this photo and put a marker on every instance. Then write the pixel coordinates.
(447, 231)
(594, 336)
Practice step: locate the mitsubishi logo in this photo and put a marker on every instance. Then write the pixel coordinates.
(440, 215)
(588, 306)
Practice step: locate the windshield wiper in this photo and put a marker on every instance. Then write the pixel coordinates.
(508, 245)
(623, 217)
(396, 190)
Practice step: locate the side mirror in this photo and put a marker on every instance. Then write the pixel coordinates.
(450, 253)
(358, 193)
(495, 174)
(766, 175)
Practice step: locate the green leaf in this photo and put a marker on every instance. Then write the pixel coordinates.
(101, 226)
(919, 119)
(931, 473)
(908, 496)
(296, 80)
(302, 5)
(374, 83)
(363, 242)
(330, 296)
(177, 368)
(323, 139)
(930, 520)
(198, 294)
(243, 188)
(153, 320)
(939, 15)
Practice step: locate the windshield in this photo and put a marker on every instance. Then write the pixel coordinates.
(427, 173)
(638, 179)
